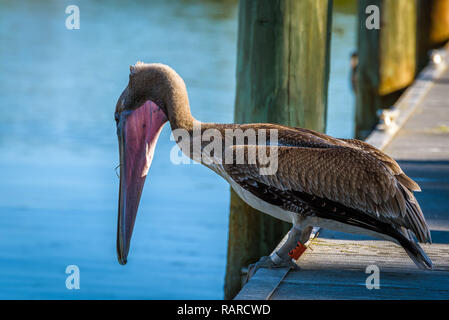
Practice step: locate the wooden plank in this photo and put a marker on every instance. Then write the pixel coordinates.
(344, 254)
(350, 284)
(261, 284)
(335, 269)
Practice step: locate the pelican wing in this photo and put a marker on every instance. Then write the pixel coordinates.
(355, 177)
(390, 163)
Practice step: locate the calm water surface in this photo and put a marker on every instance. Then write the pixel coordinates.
(58, 187)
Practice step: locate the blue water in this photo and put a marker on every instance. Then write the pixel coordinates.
(58, 186)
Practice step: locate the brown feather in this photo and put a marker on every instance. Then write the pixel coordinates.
(345, 175)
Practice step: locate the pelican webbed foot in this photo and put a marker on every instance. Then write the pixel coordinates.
(282, 258)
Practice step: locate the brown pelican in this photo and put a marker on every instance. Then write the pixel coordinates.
(340, 184)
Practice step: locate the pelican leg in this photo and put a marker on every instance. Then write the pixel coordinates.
(281, 258)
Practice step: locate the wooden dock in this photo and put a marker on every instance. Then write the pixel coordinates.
(334, 265)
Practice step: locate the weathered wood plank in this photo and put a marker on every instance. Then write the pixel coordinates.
(350, 284)
(261, 285)
(344, 254)
(335, 269)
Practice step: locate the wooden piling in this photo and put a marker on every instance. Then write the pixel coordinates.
(432, 27)
(282, 77)
(386, 59)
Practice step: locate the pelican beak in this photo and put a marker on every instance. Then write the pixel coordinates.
(137, 131)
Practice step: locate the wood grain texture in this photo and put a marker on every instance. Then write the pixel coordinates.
(397, 45)
(335, 269)
(356, 255)
(439, 32)
(282, 77)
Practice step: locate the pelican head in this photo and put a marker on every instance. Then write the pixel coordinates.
(151, 98)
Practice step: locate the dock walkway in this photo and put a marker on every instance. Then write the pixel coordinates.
(334, 265)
